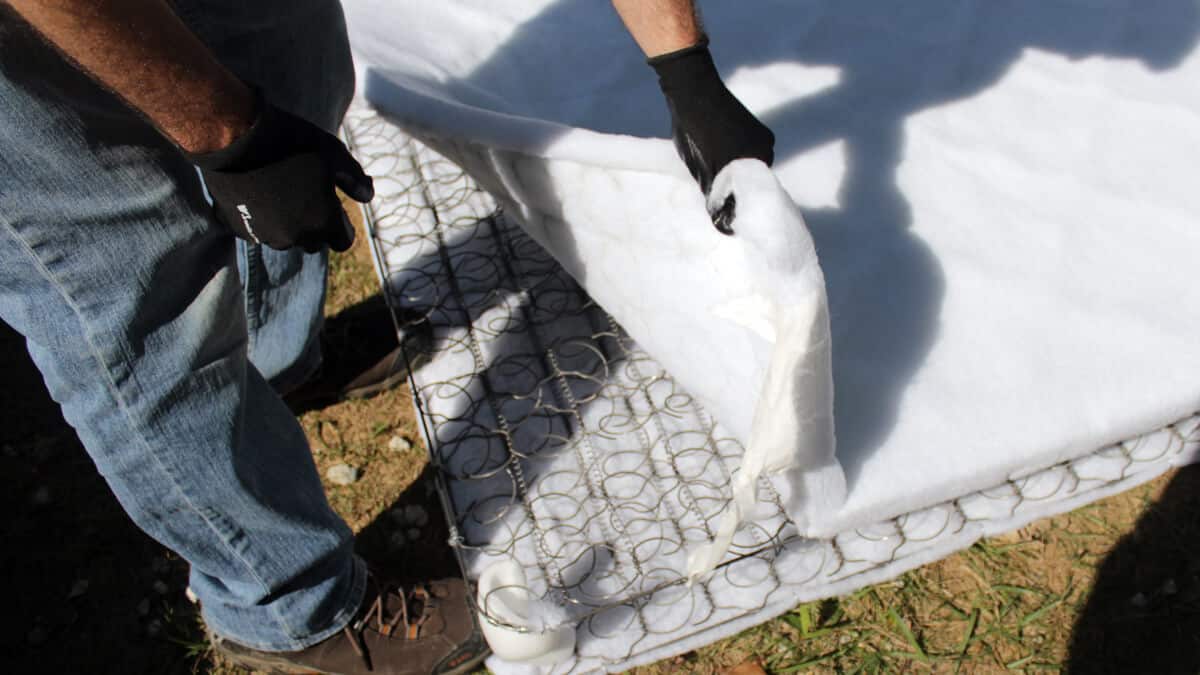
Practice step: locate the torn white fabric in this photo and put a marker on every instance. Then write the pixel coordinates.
(533, 631)
(792, 429)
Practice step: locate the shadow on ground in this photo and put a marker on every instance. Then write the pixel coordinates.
(1143, 612)
(84, 589)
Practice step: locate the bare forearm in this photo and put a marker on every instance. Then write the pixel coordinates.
(660, 26)
(142, 52)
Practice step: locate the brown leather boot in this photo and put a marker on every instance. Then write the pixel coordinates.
(362, 356)
(425, 629)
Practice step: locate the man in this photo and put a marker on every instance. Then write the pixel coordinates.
(167, 341)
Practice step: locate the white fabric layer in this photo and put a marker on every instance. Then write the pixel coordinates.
(437, 248)
(602, 506)
(1002, 196)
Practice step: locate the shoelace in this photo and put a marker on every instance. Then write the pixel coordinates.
(386, 625)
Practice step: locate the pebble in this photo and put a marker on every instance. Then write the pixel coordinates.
(143, 607)
(342, 474)
(159, 565)
(414, 534)
(191, 596)
(9, 451)
(415, 514)
(1169, 587)
(1139, 600)
(400, 444)
(160, 587)
(41, 496)
(397, 540)
(78, 588)
(154, 627)
(38, 635)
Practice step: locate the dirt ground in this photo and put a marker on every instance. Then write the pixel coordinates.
(1113, 587)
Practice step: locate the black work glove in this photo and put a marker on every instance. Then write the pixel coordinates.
(710, 126)
(274, 185)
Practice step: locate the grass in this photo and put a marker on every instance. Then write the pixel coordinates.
(1112, 587)
(1007, 604)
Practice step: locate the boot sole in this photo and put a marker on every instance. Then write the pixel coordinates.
(262, 662)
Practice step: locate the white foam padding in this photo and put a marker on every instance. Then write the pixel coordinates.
(1002, 198)
(566, 449)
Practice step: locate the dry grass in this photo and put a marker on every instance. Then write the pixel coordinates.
(1011, 603)
(1018, 602)
(1113, 587)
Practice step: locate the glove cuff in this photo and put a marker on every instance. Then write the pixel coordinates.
(248, 151)
(685, 68)
(701, 46)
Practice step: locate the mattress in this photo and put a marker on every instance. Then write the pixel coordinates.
(1000, 197)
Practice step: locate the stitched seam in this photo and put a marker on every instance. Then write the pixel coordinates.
(254, 266)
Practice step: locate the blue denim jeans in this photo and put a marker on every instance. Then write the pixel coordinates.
(163, 338)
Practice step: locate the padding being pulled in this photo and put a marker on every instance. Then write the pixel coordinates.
(792, 430)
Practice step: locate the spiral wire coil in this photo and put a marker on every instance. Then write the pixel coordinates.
(559, 444)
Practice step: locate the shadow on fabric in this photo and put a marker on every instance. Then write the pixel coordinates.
(885, 285)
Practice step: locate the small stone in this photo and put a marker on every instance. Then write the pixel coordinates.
(1139, 600)
(414, 534)
(78, 588)
(9, 451)
(397, 515)
(154, 628)
(160, 587)
(159, 565)
(400, 444)
(342, 474)
(191, 596)
(415, 514)
(41, 496)
(38, 635)
(143, 607)
(1169, 587)
(397, 540)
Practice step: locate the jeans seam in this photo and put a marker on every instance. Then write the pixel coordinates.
(253, 296)
(115, 392)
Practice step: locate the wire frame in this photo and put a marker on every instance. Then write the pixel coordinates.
(561, 445)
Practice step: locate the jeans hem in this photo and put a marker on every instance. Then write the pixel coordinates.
(358, 588)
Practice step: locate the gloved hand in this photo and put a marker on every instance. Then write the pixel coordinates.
(710, 126)
(274, 185)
